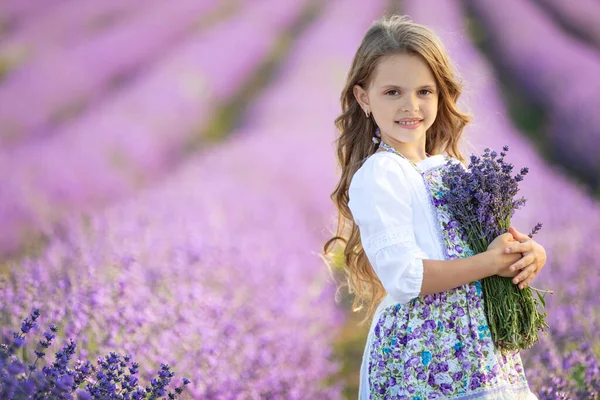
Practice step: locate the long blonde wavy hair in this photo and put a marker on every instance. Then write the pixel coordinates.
(386, 36)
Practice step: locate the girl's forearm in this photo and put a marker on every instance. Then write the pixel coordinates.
(442, 275)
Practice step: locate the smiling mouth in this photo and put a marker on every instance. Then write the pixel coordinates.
(409, 123)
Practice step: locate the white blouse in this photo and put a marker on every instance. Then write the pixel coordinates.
(390, 204)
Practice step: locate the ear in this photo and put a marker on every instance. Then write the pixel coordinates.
(361, 96)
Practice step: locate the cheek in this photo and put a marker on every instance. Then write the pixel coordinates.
(383, 107)
(432, 109)
(385, 111)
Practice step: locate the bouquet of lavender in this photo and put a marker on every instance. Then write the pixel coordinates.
(483, 199)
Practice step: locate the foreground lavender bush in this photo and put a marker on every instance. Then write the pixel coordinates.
(571, 217)
(541, 58)
(216, 278)
(576, 375)
(113, 378)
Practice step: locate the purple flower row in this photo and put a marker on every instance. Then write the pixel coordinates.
(582, 17)
(17, 12)
(555, 70)
(571, 217)
(60, 80)
(215, 271)
(137, 134)
(60, 25)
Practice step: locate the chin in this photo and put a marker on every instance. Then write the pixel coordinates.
(411, 134)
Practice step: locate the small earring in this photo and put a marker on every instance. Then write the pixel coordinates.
(367, 113)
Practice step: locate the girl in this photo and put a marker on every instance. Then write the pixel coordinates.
(429, 337)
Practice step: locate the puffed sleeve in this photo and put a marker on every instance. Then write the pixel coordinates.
(380, 202)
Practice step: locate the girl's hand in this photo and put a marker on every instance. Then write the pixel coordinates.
(500, 259)
(534, 257)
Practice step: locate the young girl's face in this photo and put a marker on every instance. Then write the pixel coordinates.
(403, 97)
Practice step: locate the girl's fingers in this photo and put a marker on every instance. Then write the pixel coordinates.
(517, 235)
(525, 261)
(527, 271)
(519, 247)
(527, 281)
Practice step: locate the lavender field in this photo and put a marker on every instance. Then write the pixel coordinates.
(166, 172)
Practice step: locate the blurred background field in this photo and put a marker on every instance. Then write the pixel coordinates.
(166, 169)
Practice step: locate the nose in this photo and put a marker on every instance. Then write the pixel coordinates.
(411, 103)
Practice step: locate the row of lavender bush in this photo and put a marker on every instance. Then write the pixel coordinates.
(18, 12)
(59, 81)
(58, 26)
(566, 360)
(580, 17)
(139, 133)
(555, 70)
(216, 271)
